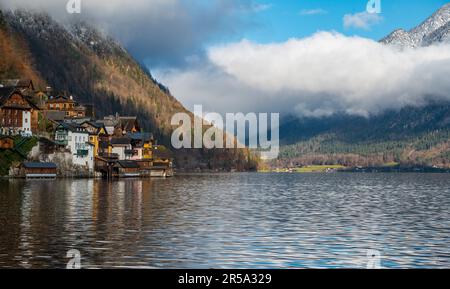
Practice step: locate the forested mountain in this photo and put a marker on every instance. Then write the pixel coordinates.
(96, 69)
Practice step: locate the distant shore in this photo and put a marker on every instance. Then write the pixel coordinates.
(391, 168)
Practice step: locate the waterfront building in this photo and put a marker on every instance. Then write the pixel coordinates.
(141, 145)
(38, 170)
(97, 133)
(122, 147)
(75, 139)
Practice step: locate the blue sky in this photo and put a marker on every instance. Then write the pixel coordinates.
(282, 20)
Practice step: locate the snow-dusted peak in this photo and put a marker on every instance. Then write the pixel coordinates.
(433, 30)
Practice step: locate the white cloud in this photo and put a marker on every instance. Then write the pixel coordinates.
(362, 20)
(315, 76)
(317, 11)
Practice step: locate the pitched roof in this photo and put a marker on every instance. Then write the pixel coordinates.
(73, 127)
(97, 126)
(17, 83)
(128, 122)
(60, 98)
(6, 92)
(5, 137)
(38, 165)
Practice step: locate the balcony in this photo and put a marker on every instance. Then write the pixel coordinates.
(61, 142)
(82, 153)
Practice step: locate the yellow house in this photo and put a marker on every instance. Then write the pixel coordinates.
(147, 151)
(97, 132)
(142, 142)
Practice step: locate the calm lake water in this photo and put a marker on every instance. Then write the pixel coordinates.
(228, 220)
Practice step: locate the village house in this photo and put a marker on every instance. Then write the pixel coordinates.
(97, 133)
(121, 146)
(63, 103)
(18, 115)
(142, 145)
(75, 139)
(38, 170)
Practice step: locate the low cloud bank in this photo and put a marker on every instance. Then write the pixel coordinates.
(315, 76)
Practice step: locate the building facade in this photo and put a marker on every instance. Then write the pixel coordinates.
(18, 115)
(75, 139)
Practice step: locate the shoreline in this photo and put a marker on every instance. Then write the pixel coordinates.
(186, 174)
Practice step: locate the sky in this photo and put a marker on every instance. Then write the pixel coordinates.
(301, 18)
(303, 57)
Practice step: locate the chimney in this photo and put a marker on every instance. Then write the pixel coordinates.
(71, 97)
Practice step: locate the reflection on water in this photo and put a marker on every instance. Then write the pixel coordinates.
(228, 220)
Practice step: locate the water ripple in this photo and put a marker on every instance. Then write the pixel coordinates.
(228, 220)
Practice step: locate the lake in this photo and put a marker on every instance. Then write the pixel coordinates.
(247, 220)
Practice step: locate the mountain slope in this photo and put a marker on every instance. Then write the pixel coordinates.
(96, 69)
(413, 136)
(436, 29)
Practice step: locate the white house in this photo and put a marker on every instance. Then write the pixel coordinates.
(122, 147)
(75, 138)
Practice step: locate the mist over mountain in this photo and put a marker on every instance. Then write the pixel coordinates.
(416, 134)
(94, 68)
